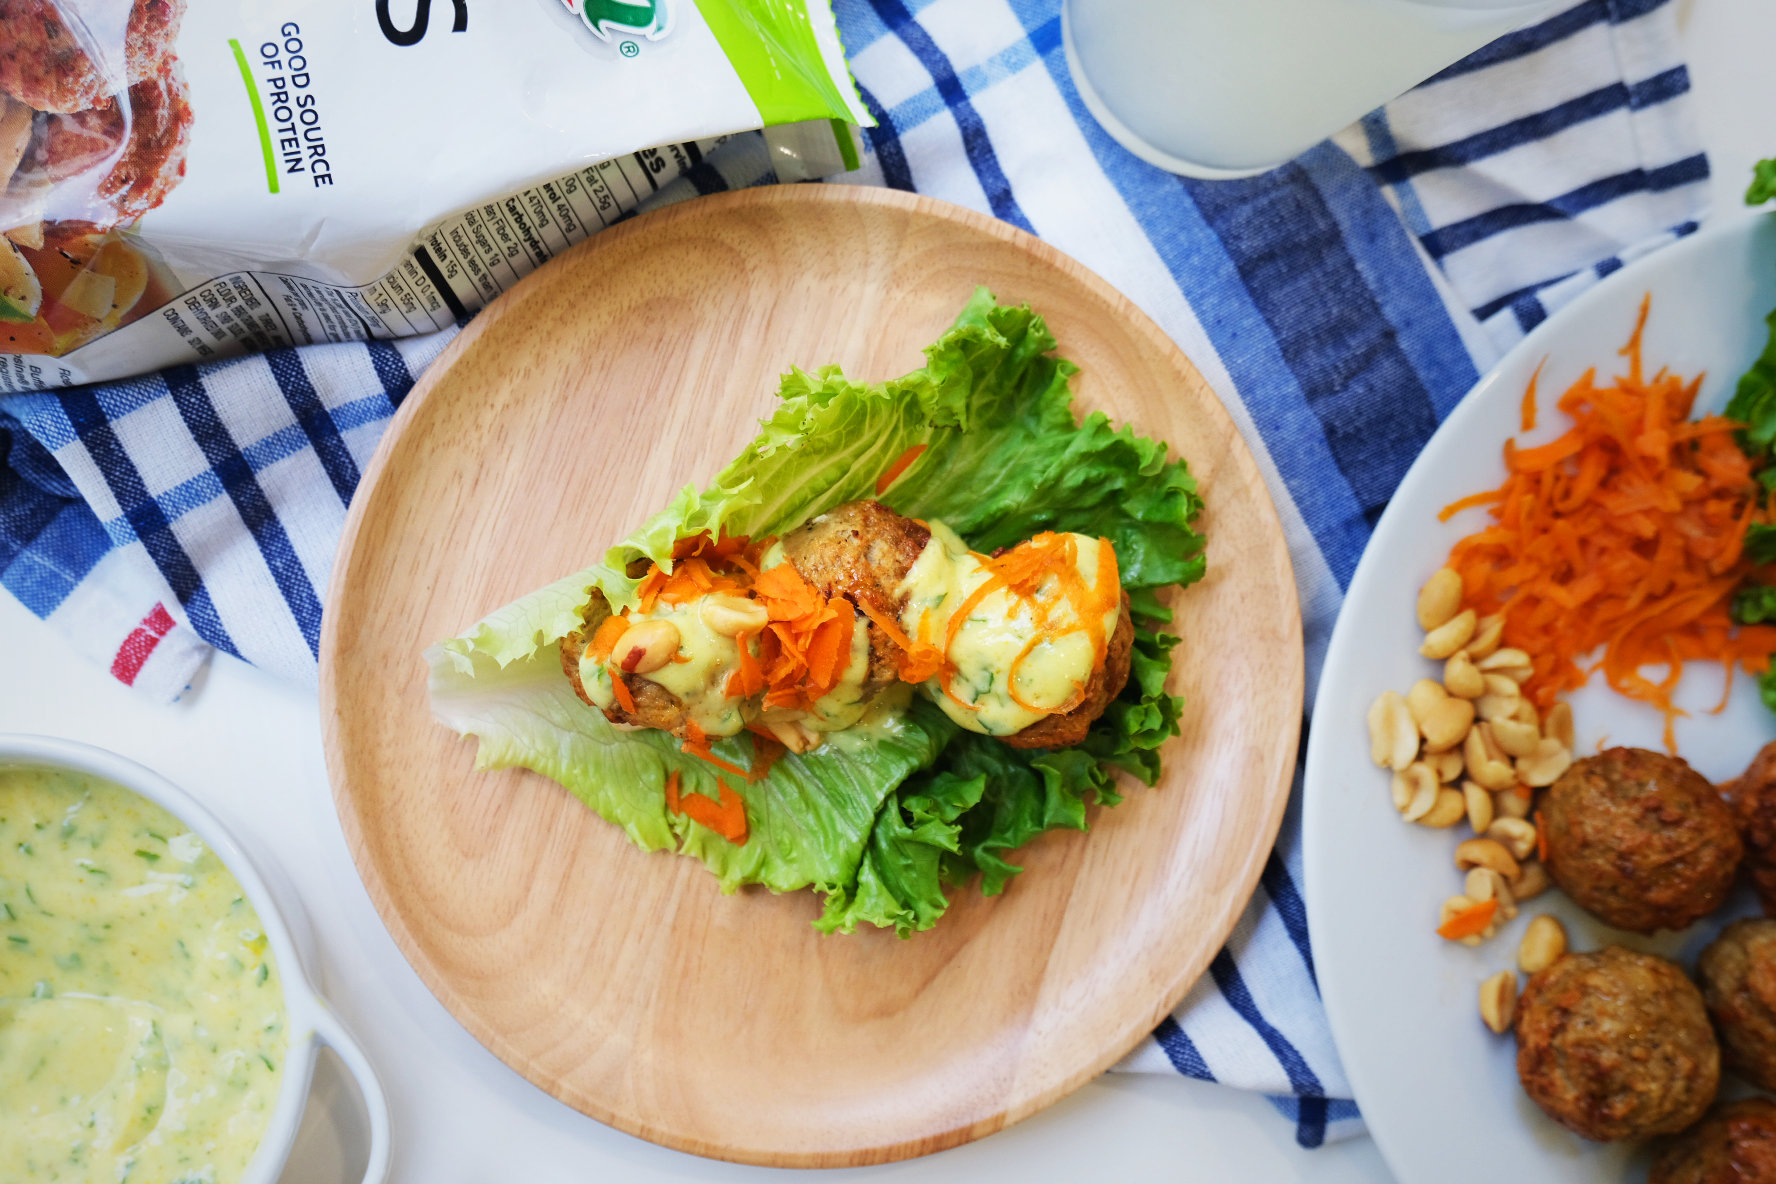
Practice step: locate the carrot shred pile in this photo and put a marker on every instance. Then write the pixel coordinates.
(1469, 922)
(1625, 534)
(800, 654)
(806, 646)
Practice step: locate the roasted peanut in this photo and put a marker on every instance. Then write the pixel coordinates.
(731, 616)
(1482, 883)
(1544, 766)
(1513, 664)
(1421, 785)
(1487, 853)
(1439, 599)
(1533, 882)
(1510, 803)
(1423, 698)
(1446, 765)
(1480, 809)
(1485, 762)
(1559, 724)
(645, 646)
(1446, 724)
(1393, 736)
(1498, 1001)
(1517, 834)
(1544, 941)
(1458, 904)
(1449, 809)
(1488, 631)
(1526, 713)
(1462, 678)
(1450, 636)
(1514, 738)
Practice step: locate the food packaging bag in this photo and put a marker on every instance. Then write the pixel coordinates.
(190, 182)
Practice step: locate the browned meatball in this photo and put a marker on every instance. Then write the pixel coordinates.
(862, 551)
(1107, 681)
(1616, 1045)
(44, 65)
(1738, 973)
(1735, 1144)
(153, 158)
(1754, 800)
(1640, 839)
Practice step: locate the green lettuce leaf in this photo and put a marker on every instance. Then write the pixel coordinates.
(1763, 183)
(879, 820)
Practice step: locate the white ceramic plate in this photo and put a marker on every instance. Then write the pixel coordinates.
(1439, 1091)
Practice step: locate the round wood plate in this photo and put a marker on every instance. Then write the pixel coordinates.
(624, 983)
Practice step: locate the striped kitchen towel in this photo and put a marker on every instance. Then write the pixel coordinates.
(1340, 306)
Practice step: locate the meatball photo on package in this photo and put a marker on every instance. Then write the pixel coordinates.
(289, 182)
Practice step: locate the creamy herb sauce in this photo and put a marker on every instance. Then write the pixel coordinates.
(700, 677)
(142, 1030)
(996, 632)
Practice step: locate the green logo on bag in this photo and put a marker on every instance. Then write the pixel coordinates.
(643, 18)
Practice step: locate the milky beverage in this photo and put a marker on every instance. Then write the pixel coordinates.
(1227, 87)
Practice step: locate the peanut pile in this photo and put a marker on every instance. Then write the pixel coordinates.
(1472, 746)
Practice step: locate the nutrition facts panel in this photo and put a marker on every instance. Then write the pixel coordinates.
(460, 264)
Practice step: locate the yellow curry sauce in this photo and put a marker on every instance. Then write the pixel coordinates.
(142, 1028)
(1009, 673)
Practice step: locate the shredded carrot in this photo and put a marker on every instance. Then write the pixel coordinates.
(900, 466)
(624, 699)
(766, 751)
(919, 659)
(1468, 922)
(726, 818)
(604, 638)
(700, 750)
(1527, 413)
(1623, 538)
(1541, 838)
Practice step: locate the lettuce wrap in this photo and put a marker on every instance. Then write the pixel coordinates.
(878, 819)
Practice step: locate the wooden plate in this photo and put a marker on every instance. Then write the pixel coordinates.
(624, 983)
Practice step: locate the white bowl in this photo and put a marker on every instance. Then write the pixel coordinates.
(311, 1022)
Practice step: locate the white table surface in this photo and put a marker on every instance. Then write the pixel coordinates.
(250, 748)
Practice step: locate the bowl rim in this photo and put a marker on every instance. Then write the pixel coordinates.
(309, 1022)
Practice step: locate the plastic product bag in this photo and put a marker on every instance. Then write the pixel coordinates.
(189, 183)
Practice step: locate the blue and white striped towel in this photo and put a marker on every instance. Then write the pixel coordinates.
(1339, 305)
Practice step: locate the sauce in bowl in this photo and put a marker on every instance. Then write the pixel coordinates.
(142, 1026)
